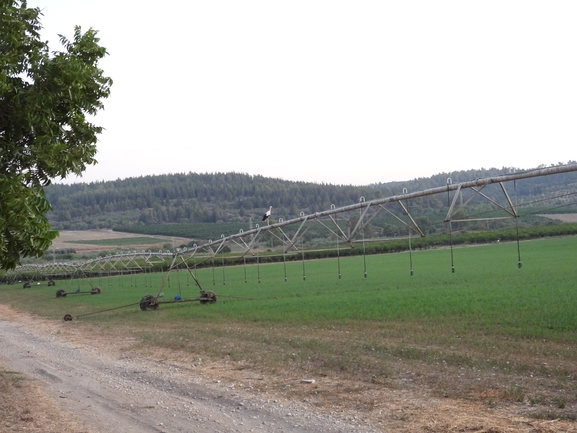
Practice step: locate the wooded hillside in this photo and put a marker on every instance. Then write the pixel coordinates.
(236, 197)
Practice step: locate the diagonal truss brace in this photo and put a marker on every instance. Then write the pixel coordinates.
(413, 226)
(512, 210)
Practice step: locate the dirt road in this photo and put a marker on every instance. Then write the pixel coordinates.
(108, 391)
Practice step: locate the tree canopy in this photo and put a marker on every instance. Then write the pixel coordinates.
(46, 100)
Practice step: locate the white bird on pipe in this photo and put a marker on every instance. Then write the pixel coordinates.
(266, 215)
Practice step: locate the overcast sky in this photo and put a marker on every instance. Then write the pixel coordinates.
(341, 92)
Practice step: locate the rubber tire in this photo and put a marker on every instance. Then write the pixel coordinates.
(148, 303)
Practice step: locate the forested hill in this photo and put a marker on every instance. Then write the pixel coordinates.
(235, 197)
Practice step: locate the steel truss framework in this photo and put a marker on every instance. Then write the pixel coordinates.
(246, 241)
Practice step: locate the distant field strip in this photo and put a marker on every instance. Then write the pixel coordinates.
(143, 240)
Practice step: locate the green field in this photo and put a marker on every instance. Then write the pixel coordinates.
(489, 326)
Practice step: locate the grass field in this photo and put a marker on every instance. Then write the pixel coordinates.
(489, 332)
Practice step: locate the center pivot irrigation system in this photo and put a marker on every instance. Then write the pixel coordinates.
(288, 235)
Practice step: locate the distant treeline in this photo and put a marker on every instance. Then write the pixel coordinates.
(242, 198)
(379, 227)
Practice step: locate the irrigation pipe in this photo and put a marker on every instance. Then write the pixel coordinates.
(68, 317)
(242, 297)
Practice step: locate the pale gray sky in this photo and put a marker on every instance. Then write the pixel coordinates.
(342, 92)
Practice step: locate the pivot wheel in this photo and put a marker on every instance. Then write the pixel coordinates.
(60, 293)
(148, 303)
(96, 291)
(208, 297)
